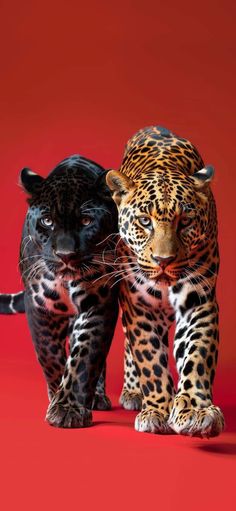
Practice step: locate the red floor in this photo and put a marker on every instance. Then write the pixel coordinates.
(108, 466)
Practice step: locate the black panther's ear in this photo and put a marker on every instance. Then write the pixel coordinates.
(30, 181)
(203, 176)
(101, 187)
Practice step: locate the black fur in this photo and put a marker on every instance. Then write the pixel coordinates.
(65, 259)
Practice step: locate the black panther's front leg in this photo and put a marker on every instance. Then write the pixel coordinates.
(101, 401)
(49, 333)
(89, 345)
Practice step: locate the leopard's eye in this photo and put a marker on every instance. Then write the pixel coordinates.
(185, 221)
(86, 220)
(47, 222)
(145, 222)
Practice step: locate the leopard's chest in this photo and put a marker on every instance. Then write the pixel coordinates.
(146, 293)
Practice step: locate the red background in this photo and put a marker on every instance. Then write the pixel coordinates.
(82, 77)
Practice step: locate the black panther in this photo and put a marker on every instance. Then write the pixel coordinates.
(66, 257)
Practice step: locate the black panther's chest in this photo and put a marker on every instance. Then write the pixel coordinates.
(68, 297)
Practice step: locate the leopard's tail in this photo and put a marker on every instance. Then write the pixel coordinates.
(12, 303)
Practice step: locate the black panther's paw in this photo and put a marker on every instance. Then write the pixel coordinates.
(101, 402)
(62, 415)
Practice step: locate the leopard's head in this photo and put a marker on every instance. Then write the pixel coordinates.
(70, 219)
(164, 217)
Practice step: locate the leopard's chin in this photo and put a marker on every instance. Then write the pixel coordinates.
(160, 277)
(163, 280)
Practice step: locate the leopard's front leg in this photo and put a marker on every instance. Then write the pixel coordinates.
(89, 344)
(148, 337)
(131, 397)
(196, 349)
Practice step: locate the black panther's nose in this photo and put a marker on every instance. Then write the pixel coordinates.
(163, 261)
(65, 256)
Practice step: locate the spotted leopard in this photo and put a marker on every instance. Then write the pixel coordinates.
(169, 257)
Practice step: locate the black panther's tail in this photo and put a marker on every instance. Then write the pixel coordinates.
(12, 303)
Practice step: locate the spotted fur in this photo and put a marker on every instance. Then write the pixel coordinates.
(169, 257)
(66, 253)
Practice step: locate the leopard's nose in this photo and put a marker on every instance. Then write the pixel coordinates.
(65, 256)
(162, 261)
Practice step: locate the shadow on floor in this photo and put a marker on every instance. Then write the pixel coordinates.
(219, 448)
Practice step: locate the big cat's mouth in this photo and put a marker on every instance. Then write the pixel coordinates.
(161, 279)
(159, 275)
(71, 270)
(78, 268)
(68, 271)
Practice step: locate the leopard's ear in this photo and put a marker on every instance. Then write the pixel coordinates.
(119, 185)
(203, 176)
(30, 181)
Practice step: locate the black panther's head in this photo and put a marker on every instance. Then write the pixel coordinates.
(70, 218)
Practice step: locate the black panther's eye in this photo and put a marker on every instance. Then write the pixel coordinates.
(145, 222)
(86, 220)
(47, 222)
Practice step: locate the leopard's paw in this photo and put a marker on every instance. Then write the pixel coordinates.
(131, 400)
(152, 421)
(101, 402)
(63, 415)
(200, 422)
